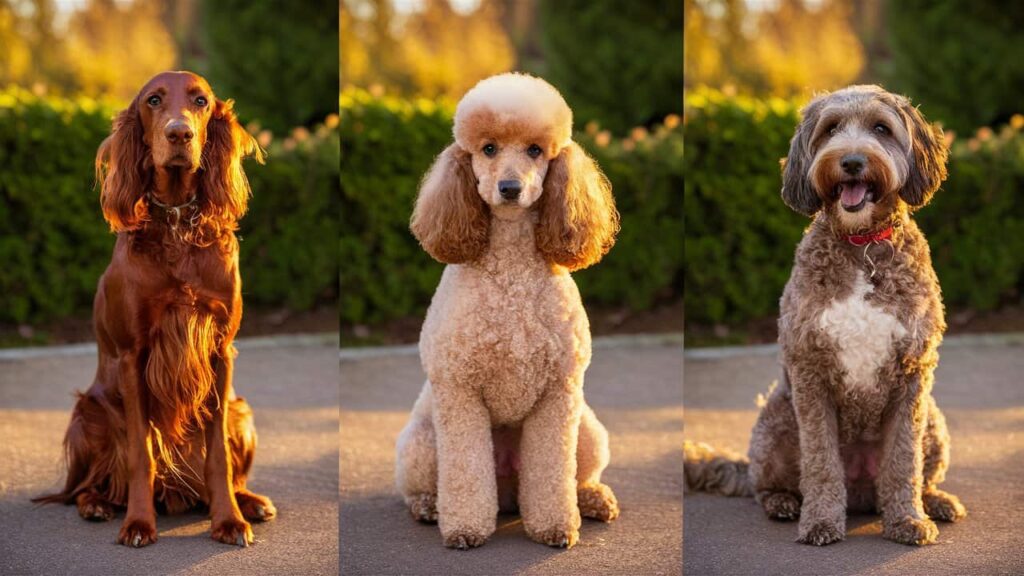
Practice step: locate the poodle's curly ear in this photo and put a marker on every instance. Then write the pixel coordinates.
(225, 187)
(927, 159)
(578, 219)
(451, 220)
(123, 168)
(797, 191)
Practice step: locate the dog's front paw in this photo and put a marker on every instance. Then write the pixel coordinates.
(137, 532)
(464, 539)
(234, 531)
(910, 531)
(557, 537)
(255, 507)
(820, 532)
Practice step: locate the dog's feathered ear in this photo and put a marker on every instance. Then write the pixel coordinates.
(578, 219)
(123, 172)
(225, 187)
(797, 190)
(450, 219)
(928, 155)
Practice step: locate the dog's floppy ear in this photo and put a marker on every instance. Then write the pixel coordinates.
(928, 154)
(578, 219)
(797, 190)
(450, 219)
(225, 187)
(123, 172)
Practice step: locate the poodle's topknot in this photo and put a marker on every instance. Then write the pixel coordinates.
(513, 106)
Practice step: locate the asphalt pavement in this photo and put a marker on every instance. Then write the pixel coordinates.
(979, 385)
(291, 384)
(634, 386)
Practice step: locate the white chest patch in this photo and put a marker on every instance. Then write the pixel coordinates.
(863, 334)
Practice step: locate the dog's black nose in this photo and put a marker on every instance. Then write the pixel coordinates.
(853, 164)
(178, 131)
(510, 189)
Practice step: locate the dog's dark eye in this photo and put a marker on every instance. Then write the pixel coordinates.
(201, 101)
(833, 130)
(490, 150)
(154, 100)
(533, 151)
(882, 129)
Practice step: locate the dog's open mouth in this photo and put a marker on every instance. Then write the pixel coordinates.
(855, 194)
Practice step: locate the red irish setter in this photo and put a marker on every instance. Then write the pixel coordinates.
(161, 425)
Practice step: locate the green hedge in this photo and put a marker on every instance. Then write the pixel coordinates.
(741, 237)
(387, 145)
(55, 244)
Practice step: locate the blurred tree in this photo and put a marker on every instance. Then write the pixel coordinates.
(962, 60)
(799, 49)
(446, 52)
(618, 63)
(715, 47)
(32, 54)
(114, 47)
(278, 58)
(433, 51)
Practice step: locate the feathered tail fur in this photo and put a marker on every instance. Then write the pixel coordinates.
(720, 471)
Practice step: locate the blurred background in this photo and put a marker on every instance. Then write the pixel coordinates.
(68, 66)
(751, 64)
(405, 63)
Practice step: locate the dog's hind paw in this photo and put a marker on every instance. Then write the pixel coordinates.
(820, 533)
(423, 507)
(781, 505)
(943, 506)
(597, 501)
(910, 531)
(94, 508)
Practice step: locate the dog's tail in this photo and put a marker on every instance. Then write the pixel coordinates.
(720, 471)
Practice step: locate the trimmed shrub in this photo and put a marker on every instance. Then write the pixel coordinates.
(388, 144)
(55, 243)
(741, 237)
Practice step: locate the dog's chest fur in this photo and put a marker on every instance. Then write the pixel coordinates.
(863, 335)
(507, 326)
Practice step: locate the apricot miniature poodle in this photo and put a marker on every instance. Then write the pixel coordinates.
(512, 206)
(853, 424)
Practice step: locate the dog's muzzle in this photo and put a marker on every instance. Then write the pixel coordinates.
(510, 189)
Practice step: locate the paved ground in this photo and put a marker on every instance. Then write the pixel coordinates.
(979, 386)
(635, 388)
(292, 385)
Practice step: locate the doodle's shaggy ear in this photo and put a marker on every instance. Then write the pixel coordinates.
(123, 172)
(450, 219)
(578, 219)
(797, 190)
(928, 155)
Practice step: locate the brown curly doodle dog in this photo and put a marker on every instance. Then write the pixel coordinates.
(161, 425)
(853, 424)
(512, 206)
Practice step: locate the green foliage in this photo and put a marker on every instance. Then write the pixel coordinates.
(741, 237)
(282, 56)
(388, 144)
(55, 244)
(962, 60)
(615, 62)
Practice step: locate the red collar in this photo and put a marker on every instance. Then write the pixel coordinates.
(870, 238)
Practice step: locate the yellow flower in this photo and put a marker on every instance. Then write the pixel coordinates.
(984, 133)
(264, 138)
(671, 121)
(332, 120)
(603, 138)
(1017, 121)
(638, 134)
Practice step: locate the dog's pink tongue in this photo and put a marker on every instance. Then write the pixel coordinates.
(852, 194)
